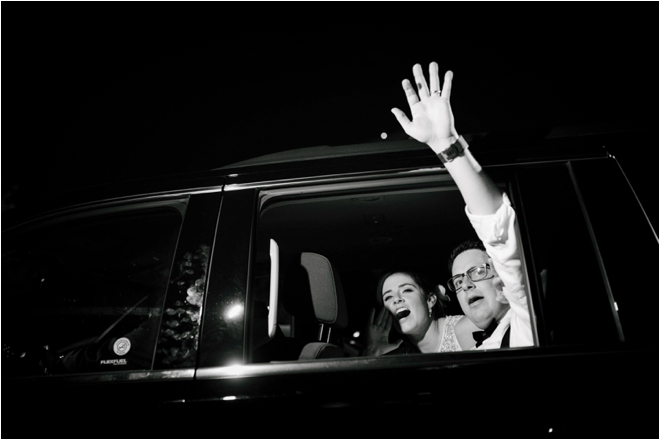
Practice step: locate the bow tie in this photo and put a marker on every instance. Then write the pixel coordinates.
(481, 335)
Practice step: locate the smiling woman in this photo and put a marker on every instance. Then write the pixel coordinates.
(416, 308)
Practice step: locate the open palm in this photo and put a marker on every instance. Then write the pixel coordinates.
(432, 118)
(378, 331)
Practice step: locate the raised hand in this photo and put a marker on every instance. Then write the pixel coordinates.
(378, 331)
(432, 119)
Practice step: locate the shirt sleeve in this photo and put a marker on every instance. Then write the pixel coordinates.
(497, 233)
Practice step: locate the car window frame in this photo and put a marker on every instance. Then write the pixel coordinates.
(176, 200)
(261, 194)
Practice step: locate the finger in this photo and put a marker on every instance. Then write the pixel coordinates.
(422, 87)
(382, 317)
(401, 117)
(446, 87)
(372, 313)
(411, 95)
(390, 321)
(433, 77)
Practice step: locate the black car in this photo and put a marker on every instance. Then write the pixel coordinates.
(197, 306)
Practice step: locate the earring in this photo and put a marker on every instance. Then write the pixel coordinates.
(430, 313)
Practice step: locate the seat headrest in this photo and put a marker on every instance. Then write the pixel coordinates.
(320, 350)
(326, 290)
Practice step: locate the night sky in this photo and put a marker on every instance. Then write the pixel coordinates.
(100, 92)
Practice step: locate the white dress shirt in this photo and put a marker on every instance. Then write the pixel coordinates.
(498, 234)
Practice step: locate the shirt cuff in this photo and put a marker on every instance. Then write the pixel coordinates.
(493, 228)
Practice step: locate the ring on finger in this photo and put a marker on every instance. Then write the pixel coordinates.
(436, 91)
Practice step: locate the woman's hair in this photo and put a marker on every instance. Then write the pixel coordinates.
(425, 285)
(465, 246)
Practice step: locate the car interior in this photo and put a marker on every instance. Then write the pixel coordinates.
(353, 238)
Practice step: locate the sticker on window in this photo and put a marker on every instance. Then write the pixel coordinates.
(122, 346)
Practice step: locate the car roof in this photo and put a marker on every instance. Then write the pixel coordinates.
(494, 148)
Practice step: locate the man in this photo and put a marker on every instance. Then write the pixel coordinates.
(488, 282)
(487, 279)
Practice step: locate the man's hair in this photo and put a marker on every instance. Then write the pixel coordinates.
(465, 246)
(425, 285)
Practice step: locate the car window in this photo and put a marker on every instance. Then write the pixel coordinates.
(624, 234)
(575, 298)
(363, 233)
(85, 292)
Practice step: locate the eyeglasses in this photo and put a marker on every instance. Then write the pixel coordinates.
(476, 273)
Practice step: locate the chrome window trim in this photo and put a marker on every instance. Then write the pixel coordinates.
(321, 187)
(419, 360)
(374, 175)
(342, 177)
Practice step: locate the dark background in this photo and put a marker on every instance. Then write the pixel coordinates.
(102, 92)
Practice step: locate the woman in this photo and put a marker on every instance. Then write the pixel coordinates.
(416, 308)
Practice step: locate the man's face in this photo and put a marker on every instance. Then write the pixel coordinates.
(481, 301)
(405, 300)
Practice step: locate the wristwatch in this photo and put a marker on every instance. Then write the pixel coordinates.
(456, 149)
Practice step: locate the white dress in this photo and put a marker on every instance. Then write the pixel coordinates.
(449, 341)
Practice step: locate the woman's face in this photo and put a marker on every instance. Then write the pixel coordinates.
(406, 301)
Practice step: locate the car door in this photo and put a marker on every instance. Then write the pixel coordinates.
(101, 317)
(544, 387)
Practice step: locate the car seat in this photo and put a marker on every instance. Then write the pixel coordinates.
(314, 295)
(278, 349)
